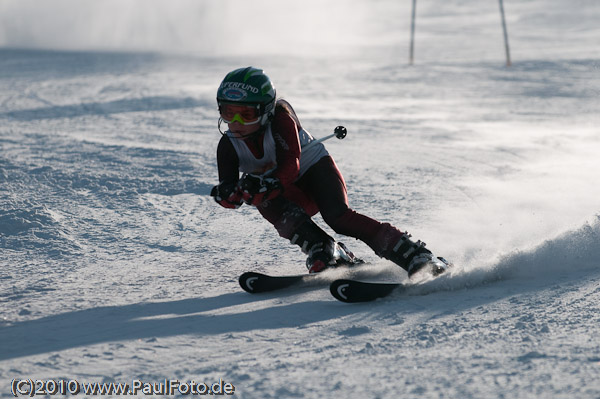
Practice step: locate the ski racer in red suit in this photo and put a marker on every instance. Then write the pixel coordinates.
(289, 181)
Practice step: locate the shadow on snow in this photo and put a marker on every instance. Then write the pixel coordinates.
(569, 258)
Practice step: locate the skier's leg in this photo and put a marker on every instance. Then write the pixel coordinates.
(294, 224)
(326, 186)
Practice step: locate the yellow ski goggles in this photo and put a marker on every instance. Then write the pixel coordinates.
(244, 114)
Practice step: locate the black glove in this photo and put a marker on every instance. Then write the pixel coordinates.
(257, 189)
(227, 195)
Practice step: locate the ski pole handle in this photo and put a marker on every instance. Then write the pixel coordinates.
(340, 132)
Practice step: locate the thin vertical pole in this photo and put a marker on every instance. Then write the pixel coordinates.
(411, 56)
(508, 63)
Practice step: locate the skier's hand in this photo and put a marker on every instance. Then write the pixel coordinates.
(257, 189)
(227, 195)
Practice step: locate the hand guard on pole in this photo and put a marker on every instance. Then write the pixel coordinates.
(227, 195)
(256, 189)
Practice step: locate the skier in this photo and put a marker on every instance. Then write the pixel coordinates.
(289, 181)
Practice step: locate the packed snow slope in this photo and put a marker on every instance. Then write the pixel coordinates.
(116, 264)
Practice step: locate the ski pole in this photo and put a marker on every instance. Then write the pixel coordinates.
(340, 132)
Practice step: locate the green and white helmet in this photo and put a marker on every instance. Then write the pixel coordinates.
(249, 86)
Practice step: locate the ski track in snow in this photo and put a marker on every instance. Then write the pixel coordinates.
(115, 263)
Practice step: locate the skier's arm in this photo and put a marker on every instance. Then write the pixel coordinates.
(228, 162)
(287, 144)
(227, 193)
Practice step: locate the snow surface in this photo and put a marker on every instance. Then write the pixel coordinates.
(116, 264)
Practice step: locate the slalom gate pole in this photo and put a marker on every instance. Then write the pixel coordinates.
(411, 55)
(508, 63)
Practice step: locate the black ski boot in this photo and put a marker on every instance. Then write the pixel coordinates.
(329, 254)
(322, 250)
(412, 256)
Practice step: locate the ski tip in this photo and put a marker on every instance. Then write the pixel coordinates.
(352, 291)
(248, 281)
(254, 282)
(339, 289)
